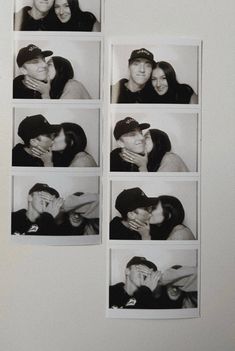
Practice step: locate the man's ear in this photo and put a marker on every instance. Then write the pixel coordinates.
(23, 70)
(120, 143)
(29, 198)
(131, 215)
(127, 271)
(33, 142)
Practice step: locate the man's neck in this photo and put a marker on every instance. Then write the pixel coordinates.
(133, 87)
(129, 287)
(37, 14)
(32, 215)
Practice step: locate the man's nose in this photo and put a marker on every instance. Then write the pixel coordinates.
(142, 67)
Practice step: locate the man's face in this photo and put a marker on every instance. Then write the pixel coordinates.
(143, 214)
(44, 141)
(39, 200)
(137, 274)
(140, 71)
(133, 141)
(43, 6)
(36, 68)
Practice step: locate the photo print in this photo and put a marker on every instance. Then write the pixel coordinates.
(153, 210)
(154, 141)
(153, 282)
(57, 68)
(57, 15)
(56, 210)
(154, 74)
(56, 137)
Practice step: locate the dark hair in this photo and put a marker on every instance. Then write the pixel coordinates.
(161, 145)
(76, 142)
(64, 72)
(79, 21)
(173, 213)
(177, 93)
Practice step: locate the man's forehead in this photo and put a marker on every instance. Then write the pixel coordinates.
(32, 61)
(140, 59)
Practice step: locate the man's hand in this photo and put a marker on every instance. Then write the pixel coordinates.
(139, 160)
(143, 228)
(151, 280)
(54, 206)
(42, 87)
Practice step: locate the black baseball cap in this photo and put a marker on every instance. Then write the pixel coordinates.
(33, 126)
(142, 53)
(127, 125)
(131, 199)
(44, 187)
(30, 52)
(137, 260)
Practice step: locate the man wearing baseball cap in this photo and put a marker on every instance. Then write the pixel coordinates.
(37, 134)
(141, 279)
(135, 209)
(137, 88)
(31, 61)
(35, 17)
(44, 204)
(128, 134)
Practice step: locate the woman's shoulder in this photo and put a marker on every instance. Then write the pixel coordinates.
(184, 93)
(172, 162)
(74, 89)
(83, 159)
(181, 232)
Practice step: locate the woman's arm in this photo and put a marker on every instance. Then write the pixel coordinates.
(74, 89)
(172, 163)
(96, 27)
(194, 99)
(83, 159)
(181, 232)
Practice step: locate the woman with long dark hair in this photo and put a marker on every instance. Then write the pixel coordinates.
(166, 221)
(167, 88)
(158, 156)
(71, 18)
(61, 83)
(69, 147)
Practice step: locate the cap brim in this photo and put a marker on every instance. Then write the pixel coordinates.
(47, 53)
(144, 126)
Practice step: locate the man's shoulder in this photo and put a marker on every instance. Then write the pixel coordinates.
(116, 287)
(19, 214)
(20, 17)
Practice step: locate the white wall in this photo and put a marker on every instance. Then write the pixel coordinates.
(53, 298)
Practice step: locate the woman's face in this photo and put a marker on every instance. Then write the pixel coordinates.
(159, 81)
(157, 215)
(148, 142)
(75, 219)
(59, 143)
(51, 69)
(62, 10)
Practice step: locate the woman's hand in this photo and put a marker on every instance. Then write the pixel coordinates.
(143, 228)
(44, 155)
(42, 87)
(139, 160)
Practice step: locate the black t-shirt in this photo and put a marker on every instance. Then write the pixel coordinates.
(142, 298)
(44, 225)
(121, 94)
(181, 95)
(117, 164)
(119, 232)
(22, 159)
(20, 91)
(24, 22)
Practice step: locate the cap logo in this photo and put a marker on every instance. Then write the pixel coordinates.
(32, 47)
(143, 51)
(129, 120)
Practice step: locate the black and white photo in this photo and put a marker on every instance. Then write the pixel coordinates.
(65, 137)
(57, 15)
(159, 74)
(62, 206)
(156, 210)
(153, 141)
(46, 69)
(150, 281)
